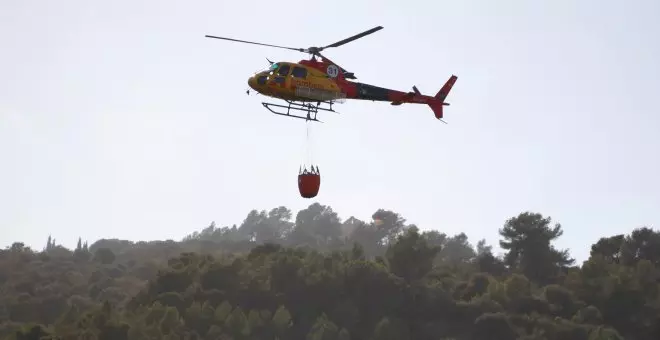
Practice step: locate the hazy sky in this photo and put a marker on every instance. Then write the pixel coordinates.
(120, 120)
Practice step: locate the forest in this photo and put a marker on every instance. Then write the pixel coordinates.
(315, 276)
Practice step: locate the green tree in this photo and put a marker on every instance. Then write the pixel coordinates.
(104, 256)
(641, 244)
(457, 250)
(609, 248)
(355, 280)
(317, 226)
(495, 326)
(411, 257)
(527, 239)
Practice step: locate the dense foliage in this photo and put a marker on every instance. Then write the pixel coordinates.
(320, 278)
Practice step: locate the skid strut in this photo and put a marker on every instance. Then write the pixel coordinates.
(311, 109)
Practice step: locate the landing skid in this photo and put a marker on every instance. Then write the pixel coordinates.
(311, 109)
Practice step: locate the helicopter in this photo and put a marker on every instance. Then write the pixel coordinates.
(325, 83)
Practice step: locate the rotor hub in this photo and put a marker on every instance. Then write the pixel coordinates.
(314, 50)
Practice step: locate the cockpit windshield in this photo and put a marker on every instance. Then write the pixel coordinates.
(281, 69)
(270, 69)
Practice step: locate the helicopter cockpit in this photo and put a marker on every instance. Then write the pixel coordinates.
(287, 70)
(280, 69)
(275, 70)
(279, 72)
(270, 71)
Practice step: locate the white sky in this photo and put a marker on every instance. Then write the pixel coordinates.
(120, 120)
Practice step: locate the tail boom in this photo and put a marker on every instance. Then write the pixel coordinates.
(436, 102)
(375, 93)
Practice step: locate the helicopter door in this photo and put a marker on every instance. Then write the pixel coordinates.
(299, 72)
(280, 76)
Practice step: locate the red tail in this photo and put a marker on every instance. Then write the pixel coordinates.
(439, 99)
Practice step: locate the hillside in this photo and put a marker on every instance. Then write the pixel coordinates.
(316, 277)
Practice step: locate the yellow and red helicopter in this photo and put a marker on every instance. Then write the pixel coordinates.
(324, 82)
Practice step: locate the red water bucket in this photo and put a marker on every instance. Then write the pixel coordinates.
(309, 184)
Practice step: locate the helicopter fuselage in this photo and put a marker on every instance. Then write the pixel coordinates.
(311, 80)
(295, 82)
(323, 81)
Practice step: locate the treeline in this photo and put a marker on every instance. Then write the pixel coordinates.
(317, 277)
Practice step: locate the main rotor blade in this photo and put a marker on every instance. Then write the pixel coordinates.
(255, 43)
(357, 36)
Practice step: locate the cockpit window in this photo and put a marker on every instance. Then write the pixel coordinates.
(284, 70)
(299, 72)
(274, 66)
